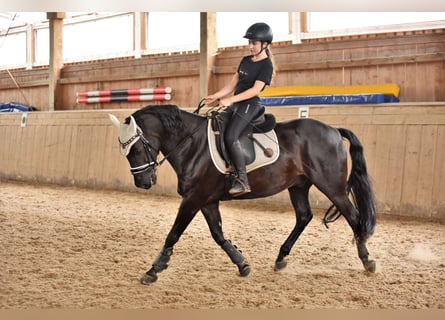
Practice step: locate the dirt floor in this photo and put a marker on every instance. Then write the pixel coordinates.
(75, 248)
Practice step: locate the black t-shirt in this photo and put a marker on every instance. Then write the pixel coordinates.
(249, 71)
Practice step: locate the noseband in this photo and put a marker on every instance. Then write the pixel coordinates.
(152, 164)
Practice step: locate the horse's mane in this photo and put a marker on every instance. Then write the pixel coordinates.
(169, 115)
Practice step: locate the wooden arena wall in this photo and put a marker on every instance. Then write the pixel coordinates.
(404, 146)
(415, 62)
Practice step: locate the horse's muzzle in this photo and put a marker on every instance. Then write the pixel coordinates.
(145, 180)
(143, 185)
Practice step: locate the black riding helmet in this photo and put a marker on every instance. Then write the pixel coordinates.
(259, 31)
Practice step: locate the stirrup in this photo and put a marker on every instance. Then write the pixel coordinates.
(234, 191)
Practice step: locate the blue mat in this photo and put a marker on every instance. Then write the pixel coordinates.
(328, 99)
(15, 107)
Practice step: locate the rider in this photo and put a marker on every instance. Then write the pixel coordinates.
(239, 98)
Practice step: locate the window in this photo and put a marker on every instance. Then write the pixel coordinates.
(175, 31)
(319, 21)
(13, 49)
(102, 37)
(231, 26)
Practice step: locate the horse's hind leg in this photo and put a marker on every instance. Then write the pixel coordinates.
(213, 217)
(352, 216)
(300, 202)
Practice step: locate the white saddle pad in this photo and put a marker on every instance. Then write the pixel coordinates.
(268, 140)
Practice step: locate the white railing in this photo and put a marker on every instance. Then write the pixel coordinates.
(33, 39)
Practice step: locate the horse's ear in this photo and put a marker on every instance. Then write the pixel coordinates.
(132, 126)
(115, 120)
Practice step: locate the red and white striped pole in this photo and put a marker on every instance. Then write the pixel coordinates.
(146, 97)
(105, 96)
(124, 92)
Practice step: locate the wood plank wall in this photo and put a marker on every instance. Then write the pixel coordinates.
(415, 62)
(404, 146)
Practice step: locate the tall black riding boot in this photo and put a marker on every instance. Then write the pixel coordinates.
(240, 185)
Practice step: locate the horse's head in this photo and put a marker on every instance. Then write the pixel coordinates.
(139, 152)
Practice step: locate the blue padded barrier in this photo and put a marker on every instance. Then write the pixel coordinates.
(328, 99)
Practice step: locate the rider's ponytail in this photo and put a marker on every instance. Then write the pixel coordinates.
(271, 57)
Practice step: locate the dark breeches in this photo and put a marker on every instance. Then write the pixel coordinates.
(241, 116)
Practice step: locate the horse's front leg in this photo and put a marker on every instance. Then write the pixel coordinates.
(160, 264)
(213, 217)
(184, 217)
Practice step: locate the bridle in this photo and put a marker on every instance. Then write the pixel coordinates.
(152, 162)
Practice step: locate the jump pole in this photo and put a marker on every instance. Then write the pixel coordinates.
(124, 92)
(105, 99)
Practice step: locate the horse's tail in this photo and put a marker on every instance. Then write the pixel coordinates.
(359, 184)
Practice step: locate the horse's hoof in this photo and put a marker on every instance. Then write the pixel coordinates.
(244, 270)
(370, 266)
(148, 278)
(280, 265)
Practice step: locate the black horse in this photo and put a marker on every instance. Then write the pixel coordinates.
(311, 153)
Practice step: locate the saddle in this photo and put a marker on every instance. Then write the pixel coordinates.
(258, 141)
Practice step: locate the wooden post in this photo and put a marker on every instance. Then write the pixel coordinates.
(299, 21)
(30, 46)
(139, 33)
(55, 55)
(208, 48)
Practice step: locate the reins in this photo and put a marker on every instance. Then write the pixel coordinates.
(156, 164)
(190, 135)
(251, 123)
